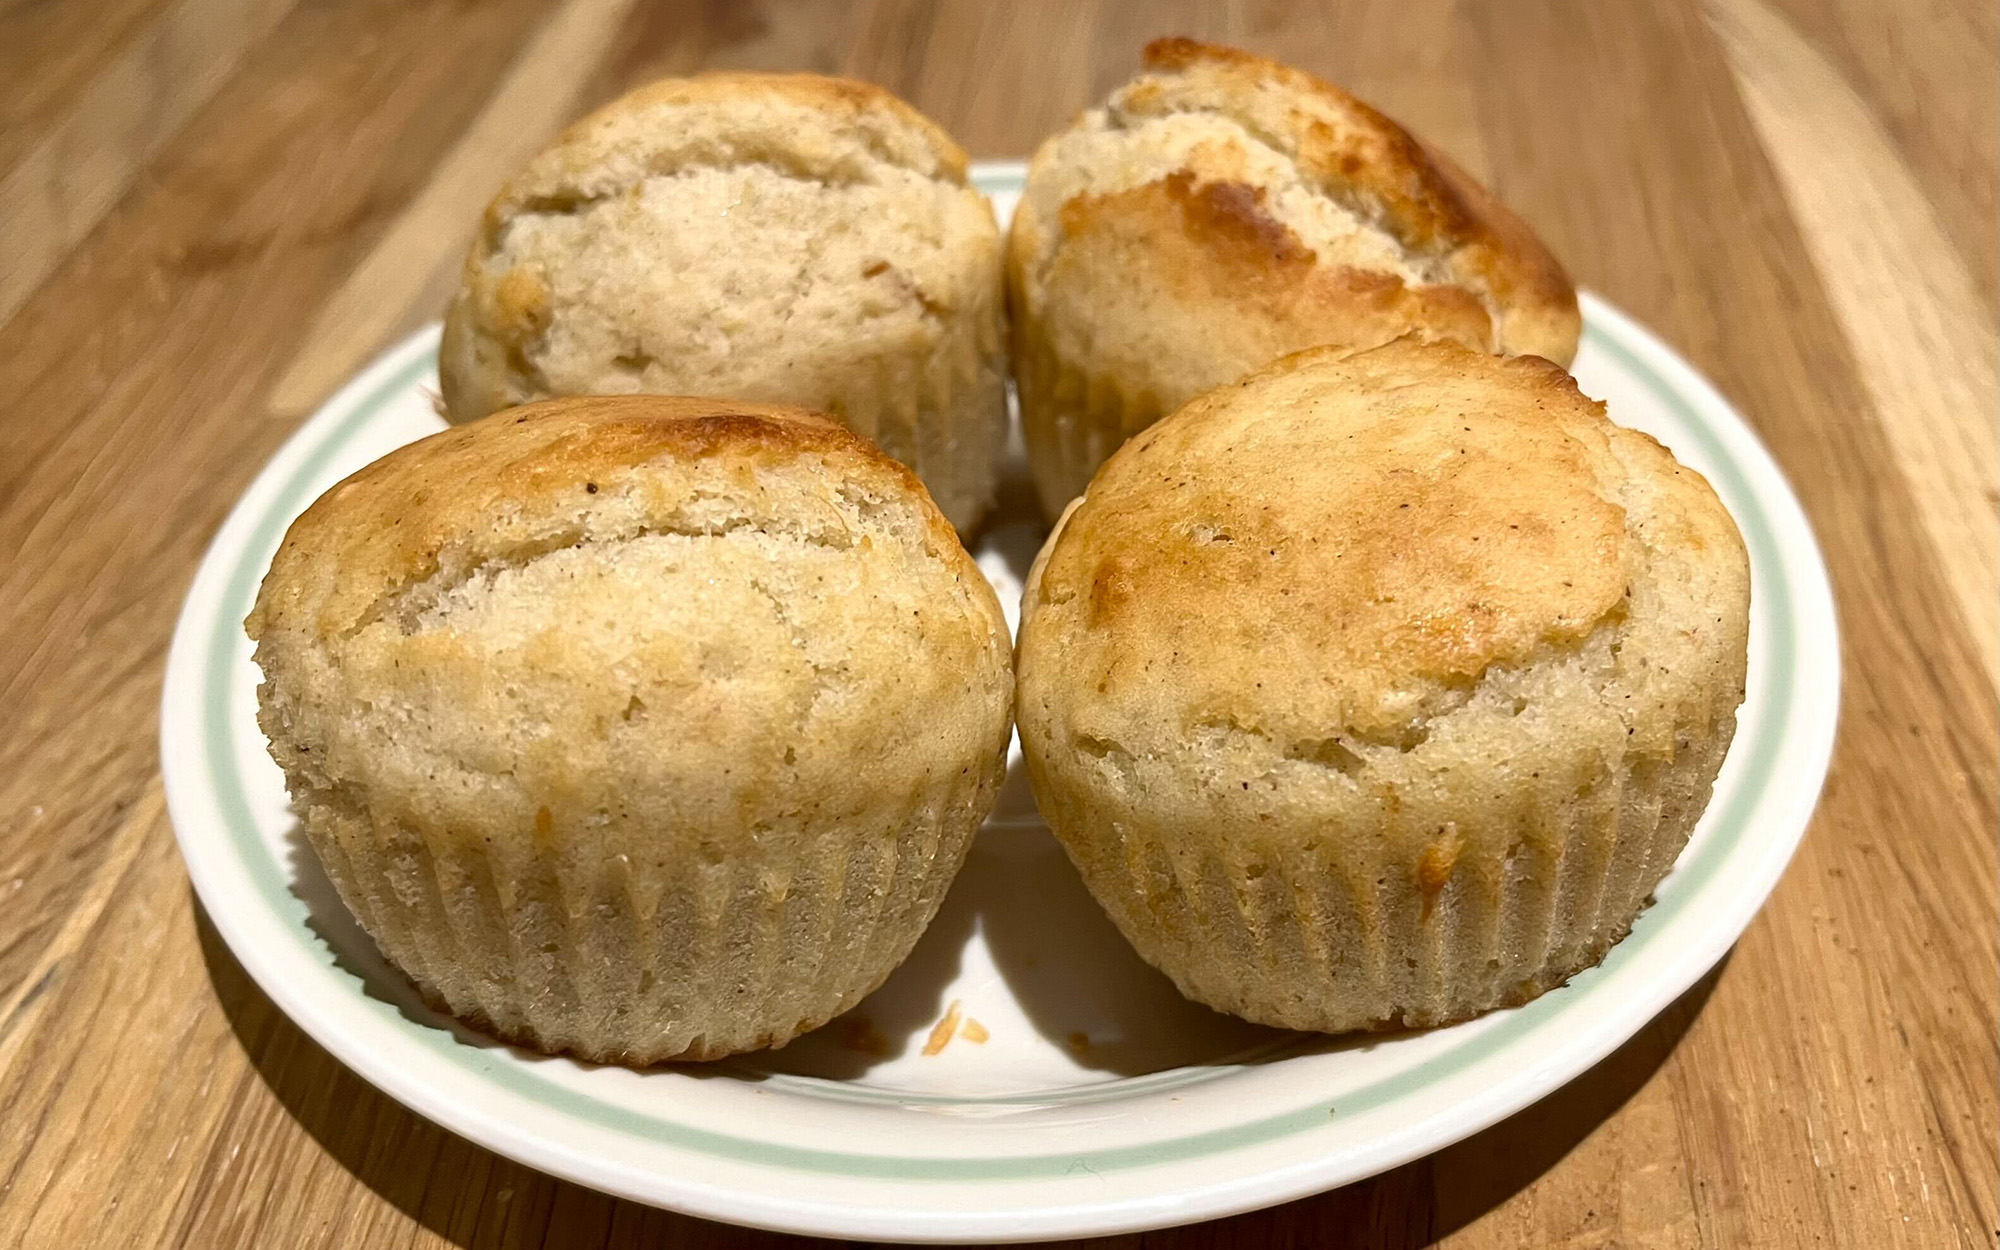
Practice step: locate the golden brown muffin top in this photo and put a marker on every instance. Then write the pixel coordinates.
(627, 622)
(1352, 540)
(1344, 146)
(1263, 189)
(562, 472)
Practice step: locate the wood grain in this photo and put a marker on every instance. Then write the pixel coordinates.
(1926, 70)
(86, 157)
(202, 233)
(1916, 323)
(401, 283)
(48, 53)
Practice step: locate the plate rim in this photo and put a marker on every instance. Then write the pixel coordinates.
(1792, 558)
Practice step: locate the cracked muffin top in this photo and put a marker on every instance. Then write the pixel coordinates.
(780, 238)
(627, 618)
(1221, 209)
(1394, 558)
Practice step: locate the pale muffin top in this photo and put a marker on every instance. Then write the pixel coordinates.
(773, 237)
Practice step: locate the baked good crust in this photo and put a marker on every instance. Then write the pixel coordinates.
(638, 728)
(829, 126)
(905, 342)
(1426, 200)
(467, 496)
(1222, 210)
(1381, 688)
(1352, 154)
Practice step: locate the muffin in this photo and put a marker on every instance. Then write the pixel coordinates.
(783, 238)
(1221, 210)
(1380, 689)
(637, 728)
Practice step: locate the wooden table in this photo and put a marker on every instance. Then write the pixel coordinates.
(211, 211)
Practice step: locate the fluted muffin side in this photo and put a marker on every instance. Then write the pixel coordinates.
(636, 728)
(1380, 689)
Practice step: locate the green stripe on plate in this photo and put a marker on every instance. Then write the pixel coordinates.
(1730, 826)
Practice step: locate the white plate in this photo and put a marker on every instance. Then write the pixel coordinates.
(1102, 1102)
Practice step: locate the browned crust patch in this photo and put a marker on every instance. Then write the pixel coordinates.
(1214, 241)
(1428, 543)
(387, 524)
(1421, 197)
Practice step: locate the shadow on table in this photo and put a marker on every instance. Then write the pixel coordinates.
(472, 1197)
